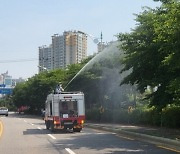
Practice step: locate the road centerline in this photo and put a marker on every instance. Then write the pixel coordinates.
(70, 151)
(39, 128)
(51, 136)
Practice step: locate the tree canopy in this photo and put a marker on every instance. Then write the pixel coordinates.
(152, 51)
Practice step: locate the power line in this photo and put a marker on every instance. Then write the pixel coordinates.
(18, 60)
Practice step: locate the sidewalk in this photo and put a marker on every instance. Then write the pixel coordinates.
(156, 135)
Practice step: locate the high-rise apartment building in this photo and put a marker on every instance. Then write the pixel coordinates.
(68, 48)
(75, 46)
(45, 56)
(58, 51)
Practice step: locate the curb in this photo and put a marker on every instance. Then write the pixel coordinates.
(142, 137)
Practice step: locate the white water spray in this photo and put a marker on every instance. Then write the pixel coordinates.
(113, 48)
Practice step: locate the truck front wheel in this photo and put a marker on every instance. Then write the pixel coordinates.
(52, 127)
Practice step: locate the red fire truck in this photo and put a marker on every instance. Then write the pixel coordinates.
(65, 110)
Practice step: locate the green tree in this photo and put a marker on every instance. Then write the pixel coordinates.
(33, 92)
(19, 95)
(152, 52)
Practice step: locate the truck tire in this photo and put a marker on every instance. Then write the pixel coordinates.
(52, 127)
(77, 129)
(47, 124)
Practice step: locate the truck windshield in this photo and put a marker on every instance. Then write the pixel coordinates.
(68, 107)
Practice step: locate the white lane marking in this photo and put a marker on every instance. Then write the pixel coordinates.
(66, 138)
(32, 124)
(2, 117)
(39, 128)
(69, 151)
(128, 138)
(51, 136)
(25, 121)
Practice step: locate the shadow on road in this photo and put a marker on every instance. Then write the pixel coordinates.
(35, 132)
(105, 143)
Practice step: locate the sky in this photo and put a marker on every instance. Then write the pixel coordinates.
(26, 25)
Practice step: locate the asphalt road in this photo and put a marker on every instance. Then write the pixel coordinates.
(21, 134)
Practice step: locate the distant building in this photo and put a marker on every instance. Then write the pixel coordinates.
(1, 79)
(102, 45)
(58, 51)
(16, 81)
(45, 56)
(8, 81)
(75, 47)
(7, 84)
(68, 48)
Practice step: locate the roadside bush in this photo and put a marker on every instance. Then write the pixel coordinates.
(148, 116)
(107, 116)
(93, 115)
(117, 116)
(135, 116)
(155, 117)
(120, 116)
(171, 116)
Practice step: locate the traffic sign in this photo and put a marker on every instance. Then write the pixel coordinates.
(2, 85)
(6, 90)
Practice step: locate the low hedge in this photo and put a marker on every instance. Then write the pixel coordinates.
(169, 117)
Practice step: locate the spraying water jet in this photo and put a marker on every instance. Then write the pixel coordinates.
(102, 55)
